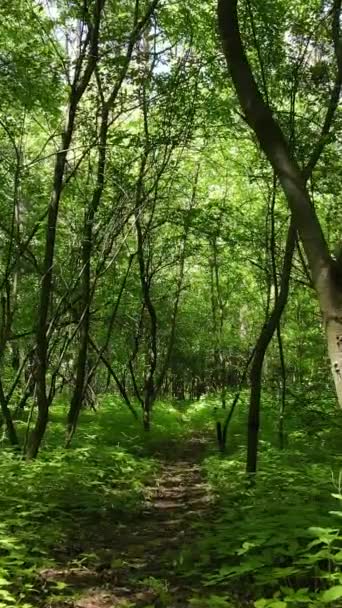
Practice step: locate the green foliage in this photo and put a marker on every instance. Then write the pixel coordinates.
(275, 543)
(29, 58)
(160, 588)
(274, 540)
(65, 492)
(213, 601)
(178, 158)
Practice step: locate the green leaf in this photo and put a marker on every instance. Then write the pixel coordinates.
(260, 603)
(5, 595)
(332, 594)
(117, 563)
(338, 556)
(60, 585)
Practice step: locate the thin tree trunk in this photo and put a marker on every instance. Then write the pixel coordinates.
(325, 272)
(78, 393)
(104, 347)
(282, 381)
(78, 88)
(81, 375)
(11, 432)
(179, 286)
(113, 375)
(220, 359)
(149, 383)
(263, 341)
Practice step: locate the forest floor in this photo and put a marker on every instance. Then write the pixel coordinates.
(129, 520)
(135, 561)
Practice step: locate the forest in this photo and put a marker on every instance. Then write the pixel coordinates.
(170, 304)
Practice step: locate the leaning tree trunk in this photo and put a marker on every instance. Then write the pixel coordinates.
(326, 272)
(273, 322)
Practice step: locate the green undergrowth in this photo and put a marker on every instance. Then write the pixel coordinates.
(172, 425)
(51, 505)
(269, 542)
(63, 493)
(275, 540)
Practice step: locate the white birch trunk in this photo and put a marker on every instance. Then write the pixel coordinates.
(333, 325)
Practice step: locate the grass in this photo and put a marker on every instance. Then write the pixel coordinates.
(254, 545)
(276, 542)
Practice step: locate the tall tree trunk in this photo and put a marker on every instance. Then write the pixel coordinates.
(325, 271)
(87, 244)
(10, 287)
(149, 390)
(263, 341)
(90, 213)
(218, 308)
(179, 285)
(78, 88)
(273, 323)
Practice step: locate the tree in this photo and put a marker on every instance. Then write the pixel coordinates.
(325, 270)
(83, 71)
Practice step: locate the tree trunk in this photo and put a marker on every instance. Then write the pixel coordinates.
(332, 317)
(262, 344)
(147, 414)
(87, 245)
(325, 272)
(89, 217)
(78, 88)
(11, 432)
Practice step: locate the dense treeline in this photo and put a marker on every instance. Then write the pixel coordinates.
(146, 246)
(170, 285)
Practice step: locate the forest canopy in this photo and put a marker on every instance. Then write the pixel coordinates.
(171, 269)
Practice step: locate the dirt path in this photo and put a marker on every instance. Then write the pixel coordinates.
(137, 561)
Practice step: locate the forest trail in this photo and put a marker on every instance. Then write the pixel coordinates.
(136, 560)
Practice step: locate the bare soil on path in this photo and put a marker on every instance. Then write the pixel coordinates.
(135, 561)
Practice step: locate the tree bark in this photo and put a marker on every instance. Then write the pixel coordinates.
(272, 140)
(78, 88)
(11, 432)
(325, 272)
(87, 245)
(263, 341)
(149, 390)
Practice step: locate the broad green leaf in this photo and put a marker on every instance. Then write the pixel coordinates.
(332, 594)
